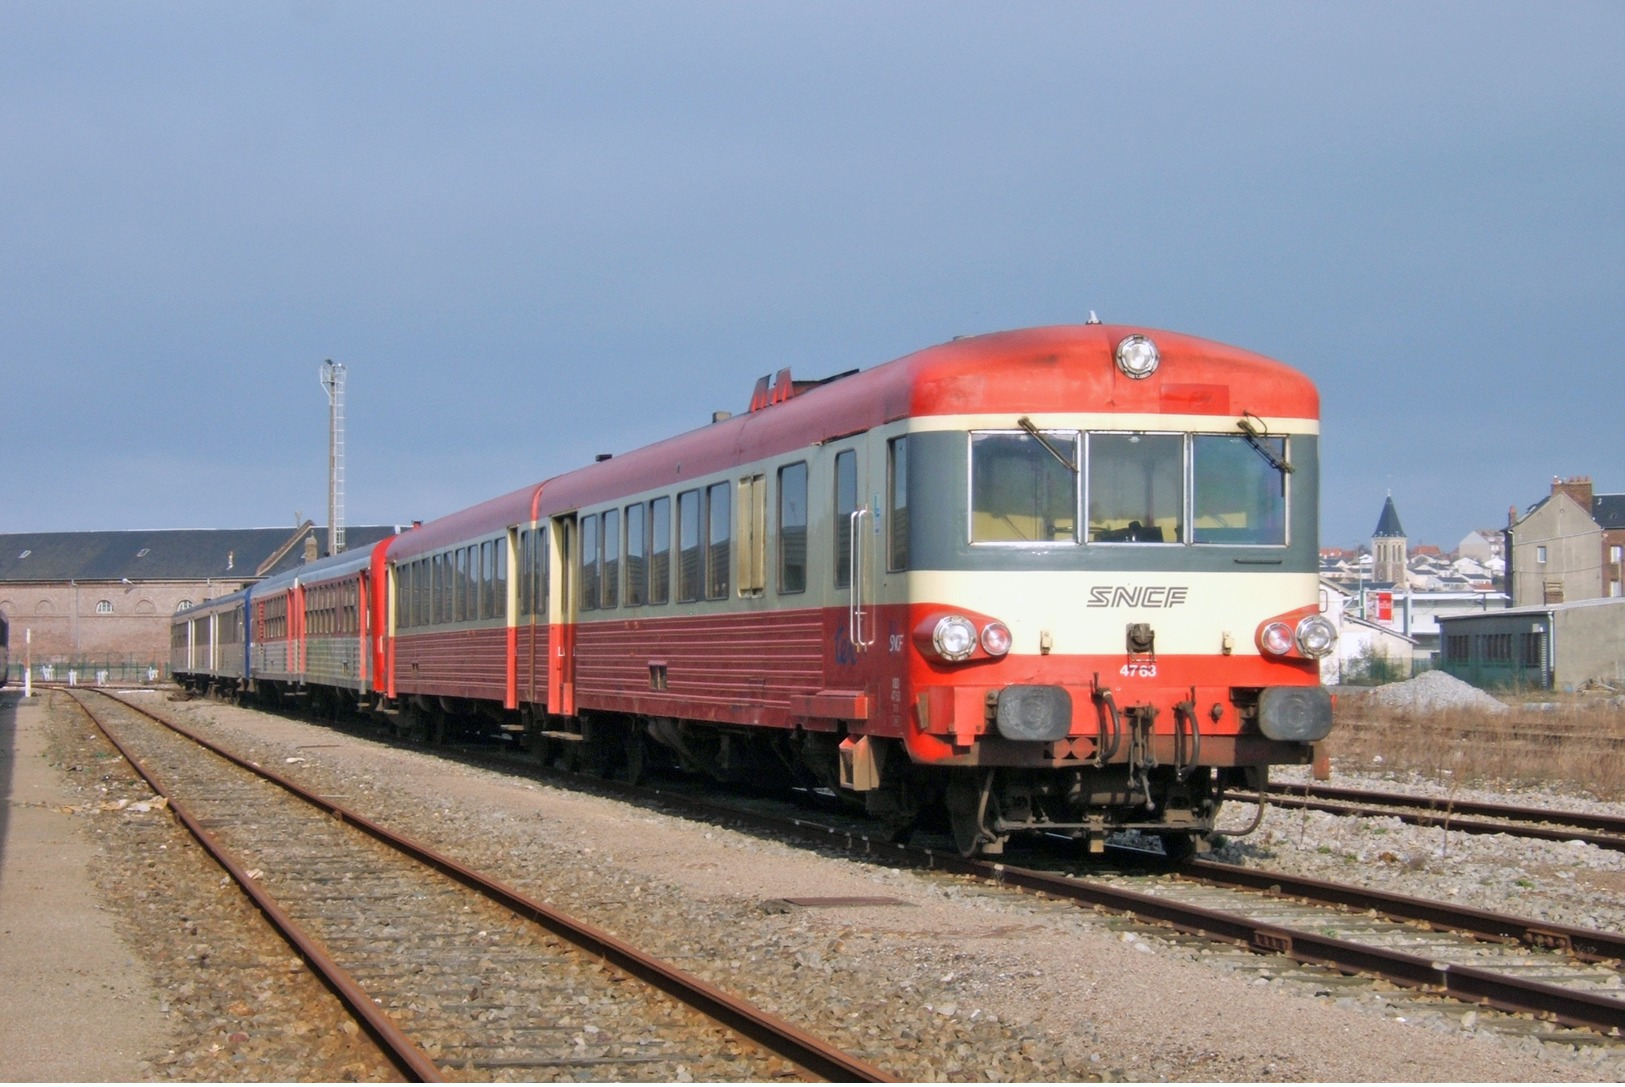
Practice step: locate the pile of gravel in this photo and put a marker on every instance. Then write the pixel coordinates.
(1432, 691)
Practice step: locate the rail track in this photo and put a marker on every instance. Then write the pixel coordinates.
(454, 975)
(1465, 816)
(1537, 971)
(1558, 973)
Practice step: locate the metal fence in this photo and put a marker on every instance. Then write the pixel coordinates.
(92, 671)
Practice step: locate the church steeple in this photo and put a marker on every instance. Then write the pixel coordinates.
(1388, 552)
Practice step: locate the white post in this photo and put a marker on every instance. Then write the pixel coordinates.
(28, 663)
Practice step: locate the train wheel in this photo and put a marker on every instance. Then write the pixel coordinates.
(898, 827)
(635, 757)
(966, 800)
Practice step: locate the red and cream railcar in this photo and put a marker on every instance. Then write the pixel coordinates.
(314, 630)
(1060, 579)
(459, 629)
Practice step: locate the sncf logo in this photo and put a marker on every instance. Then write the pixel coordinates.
(1139, 596)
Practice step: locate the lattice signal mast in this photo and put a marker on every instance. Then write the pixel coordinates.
(333, 382)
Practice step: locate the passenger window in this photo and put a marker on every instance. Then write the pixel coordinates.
(488, 579)
(719, 544)
(589, 563)
(846, 503)
(445, 566)
(637, 566)
(610, 581)
(540, 570)
(660, 551)
(527, 544)
(689, 548)
(793, 528)
(499, 579)
(897, 502)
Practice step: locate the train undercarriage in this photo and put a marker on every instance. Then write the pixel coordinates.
(982, 807)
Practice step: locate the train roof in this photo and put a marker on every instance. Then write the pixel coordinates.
(1066, 368)
(344, 564)
(1062, 368)
(213, 604)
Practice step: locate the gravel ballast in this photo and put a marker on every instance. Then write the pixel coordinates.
(953, 983)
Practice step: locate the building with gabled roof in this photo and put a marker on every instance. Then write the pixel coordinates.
(1569, 546)
(104, 599)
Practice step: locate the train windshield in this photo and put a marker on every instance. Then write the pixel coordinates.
(1024, 487)
(1240, 489)
(1138, 488)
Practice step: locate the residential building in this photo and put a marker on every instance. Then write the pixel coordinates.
(1569, 546)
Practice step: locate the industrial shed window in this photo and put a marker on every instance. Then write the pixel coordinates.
(104, 607)
(1496, 647)
(1532, 649)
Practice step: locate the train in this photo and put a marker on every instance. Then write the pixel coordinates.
(1056, 581)
(5, 650)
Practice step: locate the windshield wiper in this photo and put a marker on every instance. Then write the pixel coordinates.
(1027, 424)
(1255, 436)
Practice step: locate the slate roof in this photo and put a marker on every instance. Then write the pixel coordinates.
(163, 555)
(1608, 510)
(1388, 526)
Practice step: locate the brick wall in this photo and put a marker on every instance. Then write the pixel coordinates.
(67, 624)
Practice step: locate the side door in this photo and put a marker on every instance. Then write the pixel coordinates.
(561, 616)
(850, 617)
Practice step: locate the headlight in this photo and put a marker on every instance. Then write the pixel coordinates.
(996, 639)
(1276, 639)
(1137, 356)
(1316, 636)
(954, 637)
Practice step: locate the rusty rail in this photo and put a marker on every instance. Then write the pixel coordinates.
(812, 1055)
(1466, 816)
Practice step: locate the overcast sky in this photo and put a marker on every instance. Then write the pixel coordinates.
(534, 232)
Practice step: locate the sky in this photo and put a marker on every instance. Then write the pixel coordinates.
(534, 232)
